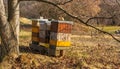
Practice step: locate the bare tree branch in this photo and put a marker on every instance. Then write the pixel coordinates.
(64, 2)
(98, 18)
(75, 17)
(61, 3)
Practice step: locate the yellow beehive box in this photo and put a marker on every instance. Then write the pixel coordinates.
(35, 31)
(60, 43)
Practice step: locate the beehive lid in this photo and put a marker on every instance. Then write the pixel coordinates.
(42, 21)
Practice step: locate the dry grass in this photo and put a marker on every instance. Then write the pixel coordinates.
(25, 20)
(96, 52)
(86, 52)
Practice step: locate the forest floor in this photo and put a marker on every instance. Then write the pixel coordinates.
(86, 52)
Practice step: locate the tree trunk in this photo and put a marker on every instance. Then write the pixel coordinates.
(10, 42)
(13, 18)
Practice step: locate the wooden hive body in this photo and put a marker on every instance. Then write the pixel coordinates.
(60, 34)
(53, 35)
(35, 32)
(44, 33)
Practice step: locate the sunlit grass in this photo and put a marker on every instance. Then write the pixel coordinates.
(110, 29)
(25, 34)
(25, 38)
(25, 20)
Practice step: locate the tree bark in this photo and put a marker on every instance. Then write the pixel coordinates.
(10, 42)
(13, 19)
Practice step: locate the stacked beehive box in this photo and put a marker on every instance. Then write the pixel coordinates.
(60, 36)
(40, 35)
(44, 33)
(53, 35)
(35, 32)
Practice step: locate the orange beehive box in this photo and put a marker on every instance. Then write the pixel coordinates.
(61, 26)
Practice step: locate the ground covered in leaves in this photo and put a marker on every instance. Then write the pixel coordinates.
(86, 52)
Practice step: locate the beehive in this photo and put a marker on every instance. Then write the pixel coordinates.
(39, 36)
(44, 33)
(35, 32)
(60, 34)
